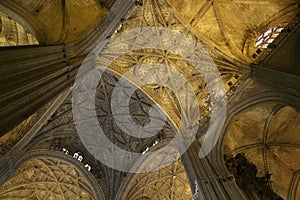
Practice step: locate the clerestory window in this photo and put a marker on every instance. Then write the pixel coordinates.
(268, 37)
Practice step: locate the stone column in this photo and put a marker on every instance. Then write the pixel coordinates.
(32, 75)
(205, 182)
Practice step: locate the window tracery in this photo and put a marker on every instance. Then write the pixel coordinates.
(265, 39)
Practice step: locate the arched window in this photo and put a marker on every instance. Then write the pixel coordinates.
(268, 37)
(76, 155)
(88, 167)
(80, 158)
(65, 150)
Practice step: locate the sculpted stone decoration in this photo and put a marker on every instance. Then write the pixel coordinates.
(139, 108)
(55, 179)
(13, 136)
(125, 59)
(46, 178)
(157, 13)
(60, 132)
(153, 13)
(60, 124)
(167, 183)
(13, 34)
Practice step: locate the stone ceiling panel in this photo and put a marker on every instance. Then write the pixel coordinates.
(233, 26)
(58, 21)
(46, 178)
(270, 140)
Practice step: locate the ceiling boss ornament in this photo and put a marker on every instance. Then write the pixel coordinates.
(157, 72)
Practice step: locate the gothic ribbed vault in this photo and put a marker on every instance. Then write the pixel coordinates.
(38, 81)
(48, 178)
(234, 26)
(59, 21)
(268, 136)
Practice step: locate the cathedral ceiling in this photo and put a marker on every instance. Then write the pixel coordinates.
(60, 132)
(268, 135)
(157, 14)
(47, 178)
(233, 26)
(167, 183)
(57, 21)
(210, 22)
